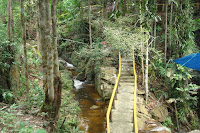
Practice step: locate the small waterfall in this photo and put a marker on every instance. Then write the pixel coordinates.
(160, 129)
(78, 84)
(69, 65)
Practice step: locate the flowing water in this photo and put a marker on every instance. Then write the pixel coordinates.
(93, 108)
(92, 115)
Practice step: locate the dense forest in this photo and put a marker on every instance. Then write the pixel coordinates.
(41, 39)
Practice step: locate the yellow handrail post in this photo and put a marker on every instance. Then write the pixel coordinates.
(112, 96)
(135, 89)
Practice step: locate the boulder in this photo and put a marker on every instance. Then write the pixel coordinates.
(159, 113)
(142, 109)
(105, 81)
(109, 74)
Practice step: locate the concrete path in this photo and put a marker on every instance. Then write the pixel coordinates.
(122, 112)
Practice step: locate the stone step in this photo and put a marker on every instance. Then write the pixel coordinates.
(123, 104)
(121, 127)
(126, 96)
(124, 116)
(127, 80)
(127, 77)
(121, 84)
(126, 60)
(127, 90)
(126, 74)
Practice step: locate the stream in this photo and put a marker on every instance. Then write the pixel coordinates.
(93, 108)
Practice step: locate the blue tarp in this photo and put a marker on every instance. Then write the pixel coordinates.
(191, 61)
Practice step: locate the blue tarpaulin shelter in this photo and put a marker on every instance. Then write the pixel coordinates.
(191, 61)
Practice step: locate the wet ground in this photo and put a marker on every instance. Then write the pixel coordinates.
(93, 110)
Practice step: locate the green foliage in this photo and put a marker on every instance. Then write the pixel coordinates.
(8, 97)
(69, 107)
(182, 90)
(182, 31)
(5, 53)
(123, 36)
(88, 60)
(168, 122)
(66, 80)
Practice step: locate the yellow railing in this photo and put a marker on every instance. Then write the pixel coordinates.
(135, 94)
(113, 96)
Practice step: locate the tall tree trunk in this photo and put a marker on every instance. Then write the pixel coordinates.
(50, 54)
(146, 72)
(24, 44)
(170, 32)
(155, 1)
(57, 81)
(11, 22)
(104, 8)
(42, 26)
(90, 24)
(8, 23)
(124, 7)
(142, 45)
(51, 77)
(166, 31)
(37, 28)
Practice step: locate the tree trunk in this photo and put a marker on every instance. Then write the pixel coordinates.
(170, 33)
(155, 27)
(51, 78)
(57, 81)
(146, 72)
(37, 29)
(166, 31)
(104, 8)
(42, 26)
(24, 44)
(50, 54)
(142, 45)
(11, 22)
(8, 23)
(90, 26)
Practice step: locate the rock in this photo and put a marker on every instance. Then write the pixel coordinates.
(109, 74)
(95, 107)
(105, 81)
(140, 100)
(194, 131)
(142, 109)
(141, 92)
(159, 113)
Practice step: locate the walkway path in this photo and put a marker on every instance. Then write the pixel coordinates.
(122, 113)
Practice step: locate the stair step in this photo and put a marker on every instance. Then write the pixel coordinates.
(127, 90)
(121, 127)
(127, 77)
(121, 84)
(127, 80)
(126, 96)
(126, 74)
(123, 104)
(127, 71)
(122, 116)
